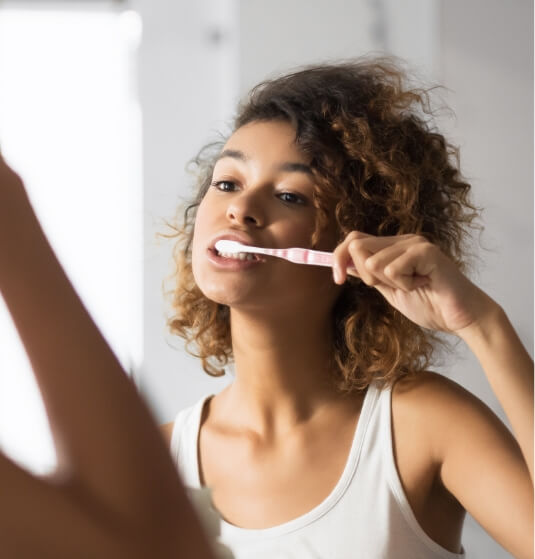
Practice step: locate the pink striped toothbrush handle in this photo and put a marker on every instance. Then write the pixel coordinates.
(302, 256)
(305, 256)
(314, 257)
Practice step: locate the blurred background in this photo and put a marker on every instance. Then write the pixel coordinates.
(102, 104)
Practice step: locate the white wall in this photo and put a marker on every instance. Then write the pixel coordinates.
(70, 125)
(487, 63)
(277, 36)
(184, 95)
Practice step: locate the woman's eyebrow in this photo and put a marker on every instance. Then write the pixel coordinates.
(287, 166)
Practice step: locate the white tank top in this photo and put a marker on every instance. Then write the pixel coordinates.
(366, 516)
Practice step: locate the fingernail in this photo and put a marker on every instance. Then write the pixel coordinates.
(337, 274)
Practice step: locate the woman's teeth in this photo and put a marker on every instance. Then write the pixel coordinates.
(237, 256)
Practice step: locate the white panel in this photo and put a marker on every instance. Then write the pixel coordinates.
(70, 124)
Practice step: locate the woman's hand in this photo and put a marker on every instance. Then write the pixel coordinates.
(416, 278)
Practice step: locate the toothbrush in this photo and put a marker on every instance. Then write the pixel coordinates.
(296, 255)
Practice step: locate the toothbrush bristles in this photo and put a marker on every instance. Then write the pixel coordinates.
(225, 245)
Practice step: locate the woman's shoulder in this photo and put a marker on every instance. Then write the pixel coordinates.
(433, 396)
(453, 429)
(435, 404)
(431, 392)
(418, 406)
(478, 461)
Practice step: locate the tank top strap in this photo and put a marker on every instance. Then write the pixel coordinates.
(393, 480)
(184, 439)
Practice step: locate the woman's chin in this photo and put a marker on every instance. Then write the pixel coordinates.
(224, 294)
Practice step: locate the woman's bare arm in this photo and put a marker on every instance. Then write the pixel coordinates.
(488, 470)
(482, 464)
(509, 370)
(113, 461)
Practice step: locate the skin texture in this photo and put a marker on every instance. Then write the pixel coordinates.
(279, 416)
(276, 211)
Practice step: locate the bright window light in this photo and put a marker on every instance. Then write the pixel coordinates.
(70, 124)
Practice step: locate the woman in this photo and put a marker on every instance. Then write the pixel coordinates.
(334, 440)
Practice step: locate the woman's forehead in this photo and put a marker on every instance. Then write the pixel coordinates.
(266, 139)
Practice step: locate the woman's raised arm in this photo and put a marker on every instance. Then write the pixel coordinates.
(116, 486)
(481, 464)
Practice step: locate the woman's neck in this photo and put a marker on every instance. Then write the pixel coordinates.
(283, 369)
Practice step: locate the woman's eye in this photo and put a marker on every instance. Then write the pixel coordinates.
(230, 186)
(224, 186)
(291, 198)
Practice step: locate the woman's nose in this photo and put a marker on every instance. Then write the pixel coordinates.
(246, 210)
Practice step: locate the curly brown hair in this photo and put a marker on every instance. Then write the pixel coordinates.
(379, 161)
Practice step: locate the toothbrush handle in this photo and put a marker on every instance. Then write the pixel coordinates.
(312, 257)
(317, 258)
(305, 256)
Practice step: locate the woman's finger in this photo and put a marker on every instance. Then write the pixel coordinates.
(380, 265)
(342, 261)
(413, 267)
(357, 247)
(359, 254)
(398, 272)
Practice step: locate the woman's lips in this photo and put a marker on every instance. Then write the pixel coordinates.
(230, 263)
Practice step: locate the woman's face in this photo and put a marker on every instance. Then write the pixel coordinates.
(262, 195)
